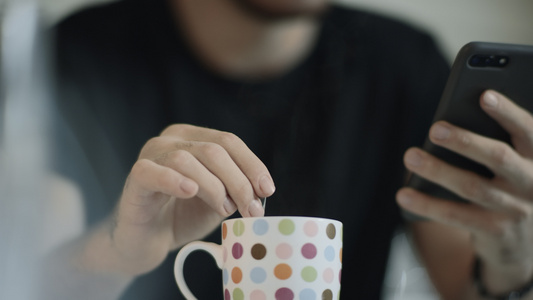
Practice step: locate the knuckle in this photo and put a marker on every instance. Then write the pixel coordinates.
(139, 168)
(471, 188)
(228, 138)
(450, 215)
(212, 150)
(464, 141)
(179, 157)
(151, 145)
(495, 199)
(501, 154)
(176, 129)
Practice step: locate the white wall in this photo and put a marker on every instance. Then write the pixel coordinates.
(457, 22)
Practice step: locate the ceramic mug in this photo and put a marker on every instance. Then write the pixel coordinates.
(282, 258)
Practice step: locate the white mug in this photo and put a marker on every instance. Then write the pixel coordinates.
(282, 258)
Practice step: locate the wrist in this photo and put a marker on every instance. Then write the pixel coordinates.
(99, 254)
(501, 283)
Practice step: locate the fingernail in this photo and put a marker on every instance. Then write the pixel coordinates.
(404, 199)
(266, 185)
(229, 206)
(256, 209)
(188, 186)
(440, 132)
(490, 99)
(413, 158)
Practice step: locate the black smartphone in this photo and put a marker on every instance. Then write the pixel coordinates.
(506, 68)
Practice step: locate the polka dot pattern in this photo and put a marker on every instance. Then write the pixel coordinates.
(309, 251)
(297, 258)
(236, 275)
(237, 250)
(258, 295)
(260, 227)
(259, 251)
(286, 227)
(238, 228)
(284, 251)
(283, 271)
(258, 275)
(309, 274)
(284, 294)
(308, 294)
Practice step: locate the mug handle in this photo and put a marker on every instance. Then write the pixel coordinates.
(214, 249)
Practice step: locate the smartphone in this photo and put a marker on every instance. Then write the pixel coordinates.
(506, 68)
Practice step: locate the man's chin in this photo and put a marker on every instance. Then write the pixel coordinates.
(280, 10)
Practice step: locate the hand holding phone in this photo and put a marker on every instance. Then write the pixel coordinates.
(478, 67)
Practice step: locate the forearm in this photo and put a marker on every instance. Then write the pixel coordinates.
(500, 281)
(86, 268)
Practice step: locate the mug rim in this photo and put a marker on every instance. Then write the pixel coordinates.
(282, 217)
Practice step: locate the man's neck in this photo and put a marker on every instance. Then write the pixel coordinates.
(233, 42)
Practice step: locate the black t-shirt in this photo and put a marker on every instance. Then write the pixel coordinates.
(332, 131)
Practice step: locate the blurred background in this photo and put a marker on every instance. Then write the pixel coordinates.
(452, 22)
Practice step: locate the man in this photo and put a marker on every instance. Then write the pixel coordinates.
(322, 100)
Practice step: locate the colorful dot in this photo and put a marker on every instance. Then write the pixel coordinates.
(260, 227)
(224, 232)
(311, 228)
(309, 274)
(236, 275)
(329, 253)
(308, 294)
(331, 231)
(258, 295)
(238, 294)
(259, 251)
(238, 228)
(258, 275)
(286, 227)
(284, 251)
(283, 271)
(237, 250)
(327, 295)
(225, 276)
(284, 294)
(328, 275)
(227, 295)
(309, 251)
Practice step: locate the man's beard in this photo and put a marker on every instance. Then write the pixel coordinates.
(271, 14)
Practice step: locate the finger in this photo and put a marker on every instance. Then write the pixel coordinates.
(460, 215)
(466, 184)
(498, 156)
(252, 167)
(515, 120)
(150, 177)
(210, 188)
(149, 186)
(217, 160)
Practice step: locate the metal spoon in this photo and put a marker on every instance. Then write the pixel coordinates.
(264, 202)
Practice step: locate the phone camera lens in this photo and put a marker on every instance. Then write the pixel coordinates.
(503, 61)
(481, 61)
